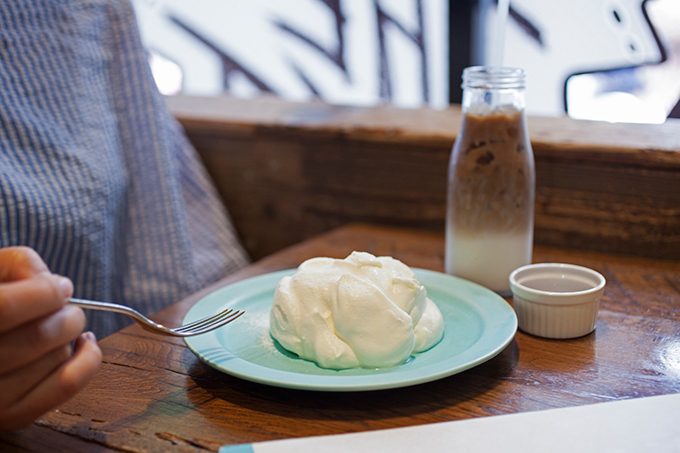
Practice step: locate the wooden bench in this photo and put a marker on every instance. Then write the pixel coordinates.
(288, 171)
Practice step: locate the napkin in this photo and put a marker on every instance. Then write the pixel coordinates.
(633, 425)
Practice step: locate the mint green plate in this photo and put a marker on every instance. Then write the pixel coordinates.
(478, 325)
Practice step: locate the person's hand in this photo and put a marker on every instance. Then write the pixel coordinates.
(38, 368)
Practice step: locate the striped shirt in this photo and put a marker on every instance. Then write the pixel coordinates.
(95, 173)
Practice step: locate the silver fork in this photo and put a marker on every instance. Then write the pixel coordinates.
(195, 328)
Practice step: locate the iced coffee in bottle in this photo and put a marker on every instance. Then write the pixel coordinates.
(490, 200)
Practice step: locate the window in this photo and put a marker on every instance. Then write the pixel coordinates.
(347, 52)
(612, 60)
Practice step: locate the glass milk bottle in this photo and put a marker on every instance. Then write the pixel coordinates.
(490, 200)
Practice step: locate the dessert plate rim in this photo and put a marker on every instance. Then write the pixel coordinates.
(479, 324)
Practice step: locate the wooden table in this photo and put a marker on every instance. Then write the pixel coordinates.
(152, 394)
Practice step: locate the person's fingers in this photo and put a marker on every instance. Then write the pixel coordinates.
(17, 383)
(24, 300)
(18, 263)
(26, 343)
(58, 387)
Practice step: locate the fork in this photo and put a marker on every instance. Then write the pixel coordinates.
(203, 325)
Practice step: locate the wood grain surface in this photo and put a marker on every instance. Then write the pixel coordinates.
(152, 394)
(289, 171)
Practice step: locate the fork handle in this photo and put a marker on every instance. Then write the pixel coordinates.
(103, 306)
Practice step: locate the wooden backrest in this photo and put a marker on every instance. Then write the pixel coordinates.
(288, 171)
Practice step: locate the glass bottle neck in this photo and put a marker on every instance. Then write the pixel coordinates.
(490, 89)
(487, 100)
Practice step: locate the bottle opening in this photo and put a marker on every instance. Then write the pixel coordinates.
(489, 77)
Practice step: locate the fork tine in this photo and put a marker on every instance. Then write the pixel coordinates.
(207, 320)
(216, 324)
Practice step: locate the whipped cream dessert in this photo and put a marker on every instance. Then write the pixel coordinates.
(363, 311)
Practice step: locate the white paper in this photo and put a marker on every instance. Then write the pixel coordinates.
(637, 425)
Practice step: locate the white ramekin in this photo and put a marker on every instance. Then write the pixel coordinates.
(556, 300)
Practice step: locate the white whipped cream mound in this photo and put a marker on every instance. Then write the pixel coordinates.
(363, 311)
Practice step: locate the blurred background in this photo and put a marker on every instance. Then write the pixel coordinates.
(608, 60)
